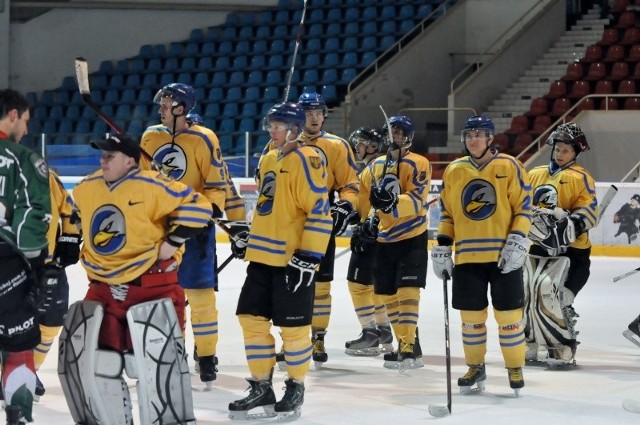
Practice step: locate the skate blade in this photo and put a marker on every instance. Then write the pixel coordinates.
(439, 411)
(318, 365)
(282, 366)
(385, 348)
(405, 366)
(289, 416)
(471, 389)
(631, 337)
(244, 415)
(418, 363)
(517, 392)
(208, 386)
(363, 352)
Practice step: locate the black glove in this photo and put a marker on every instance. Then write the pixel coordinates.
(383, 199)
(300, 271)
(42, 288)
(239, 245)
(67, 249)
(343, 215)
(365, 235)
(216, 211)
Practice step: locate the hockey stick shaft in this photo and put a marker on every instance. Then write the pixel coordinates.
(435, 410)
(82, 76)
(606, 200)
(627, 274)
(295, 52)
(225, 263)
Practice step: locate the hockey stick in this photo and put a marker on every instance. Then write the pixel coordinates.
(606, 200)
(434, 409)
(226, 262)
(627, 274)
(295, 52)
(82, 76)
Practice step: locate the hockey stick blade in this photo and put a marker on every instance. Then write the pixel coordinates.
(438, 411)
(627, 274)
(82, 75)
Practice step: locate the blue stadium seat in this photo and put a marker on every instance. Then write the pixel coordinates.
(311, 60)
(329, 93)
(111, 96)
(106, 67)
(154, 65)
(247, 124)
(228, 125)
(56, 112)
(310, 76)
(316, 15)
(263, 32)
(46, 98)
(406, 12)
(99, 128)
(334, 29)
(331, 60)
(184, 78)
(350, 44)
(252, 93)
(249, 109)
(225, 48)
(247, 18)
(231, 110)
(73, 112)
(280, 32)
(175, 49)
(387, 41)
(216, 94)
(369, 43)
(260, 47)
(369, 28)
(201, 79)
(204, 64)
(316, 30)
(277, 46)
(133, 81)
(146, 51)
(236, 78)
(424, 11)
(98, 82)
(313, 45)
(136, 66)
(368, 58)
(83, 126)
(273, 77)
(229, 33)
(135, 127)
(233, 19)
(166, 78)
(271, 93)
(388, 27)
(171, 65)
(255, 78)
(40, 113)
(159, 50)
(196, 35)
(405, 27)
(69, 83)
(234, 94)
(240, 63)
(219, 79)
(140, 111)
(222, 63)
(351, 29)
(258, 62)
(388, 13)
(123, 111)
(150, 80)
(50, 127)
(226, 143)
(212, 110)
(66, 126)
(370, 13)
(128, 96)
(146, 94)
(275, 62)
(208, 49)
(281, 17)
(187, 64)
(76, 99)
(122, 67)
(352, 14)
(350, 59)
(348, 74)
(329, 76)
(243, 47)
(246, 33)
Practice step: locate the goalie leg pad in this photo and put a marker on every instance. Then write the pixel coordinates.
(164, 382)
(550, 321)
(91, 378)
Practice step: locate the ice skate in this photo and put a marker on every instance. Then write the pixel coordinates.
(289, 408)
(633, 332)
(40, 390)
(406, 357)
(14, 415)
(319, 354)
(516, 379)
(386, 338)
(473, 380)
(280, 360)
(196, 366)
(366, 345)
(260, 395)
(391, 359)
(208, 369)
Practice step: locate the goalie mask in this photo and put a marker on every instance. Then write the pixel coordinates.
(368, 141)
(569, 133)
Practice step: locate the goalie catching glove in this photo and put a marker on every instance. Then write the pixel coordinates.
(343, 215)
(514, 253)
(300, 271)
(552, 231)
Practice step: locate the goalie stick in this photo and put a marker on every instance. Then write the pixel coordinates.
(295, 52)
(82, 76)
(606, 200)
(434, 409)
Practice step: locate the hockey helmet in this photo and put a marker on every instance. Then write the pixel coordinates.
(572, 134)
(182, 94)
(313, 101)
(195, 118)
(478, 123)
(289, 113)
(403, 123)
(370, 137)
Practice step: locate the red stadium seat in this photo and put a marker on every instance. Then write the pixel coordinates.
(501, 141)
(626, 19)
(519, 124)
(618, 6)
(539, 106)
(557, 89)
(636, 72)
(632, 103)
(619, 71)
(522, 142)
(597, 71)
(634, 54)
(604, 87)
(583, 105)
(631, 36)
(560, 106)
(615, 53)
(574, 72)
(579, 89)
(592, 54)
(609, 36)
(627, 87)
(610, 104)
(540, 125)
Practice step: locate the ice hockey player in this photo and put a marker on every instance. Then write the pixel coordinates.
(565, 208)
(486, 215)
(26, 281)
(134, 223)
(191, 155)
(64, 250)
(394, 187)
(376, 337)
(289, 234)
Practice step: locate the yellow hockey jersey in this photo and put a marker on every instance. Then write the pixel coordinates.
(124, 224)
(234, 206)
(292, 211)
(194, 159)
(481, 205)
(341, 165)
(571, 188)
(410, 178)
(62, 207)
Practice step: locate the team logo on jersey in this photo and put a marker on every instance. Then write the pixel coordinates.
(107, 230)
(264, 206)
(172, 161)
(315, 162)
(479, 199)
(321, 154)
(545, 196)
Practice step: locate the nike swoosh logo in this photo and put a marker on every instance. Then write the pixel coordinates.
(498, 176)
(283, 171)
(131, 203)
(561, 182)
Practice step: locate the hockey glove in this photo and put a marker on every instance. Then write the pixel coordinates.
(343, 215)
(217, 213)
(442, 261)
(44, 284)
(364, 235)
(239, 244)
(514, 253)
(300, 271)
(67, 249)
(383, 199)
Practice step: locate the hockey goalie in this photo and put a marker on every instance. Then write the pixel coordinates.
(550, 318)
